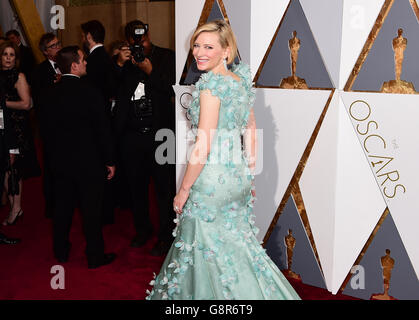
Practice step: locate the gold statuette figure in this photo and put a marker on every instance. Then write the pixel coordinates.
(387, 263)
(293, 82)
(290, 242)
(398, 85)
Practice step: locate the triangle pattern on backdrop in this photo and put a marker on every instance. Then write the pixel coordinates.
(356, 211)
(293, 60)
(391, 64)
(341, 217)
(268, 21)
(304, 262)
(369, 281)
(239, 12)
(384, 124)
(184, 30)
(358, 25)
(328, 34)
(289, 118)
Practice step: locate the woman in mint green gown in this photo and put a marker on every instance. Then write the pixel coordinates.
(215, 254)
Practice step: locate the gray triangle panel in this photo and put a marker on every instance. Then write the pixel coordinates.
(304, 261)
(379, 64)
(310, 66)
(403, 281)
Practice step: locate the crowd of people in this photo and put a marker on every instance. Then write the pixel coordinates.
(97, 114)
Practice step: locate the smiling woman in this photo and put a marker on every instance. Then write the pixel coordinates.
(215, 254)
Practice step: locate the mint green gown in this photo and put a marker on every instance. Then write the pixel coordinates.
(215, 253)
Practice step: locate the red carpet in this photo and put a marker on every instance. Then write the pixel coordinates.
(25, 269)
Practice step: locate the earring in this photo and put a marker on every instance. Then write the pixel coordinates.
(225, 63)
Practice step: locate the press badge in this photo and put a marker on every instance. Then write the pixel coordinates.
(139, 92)
(1, 119)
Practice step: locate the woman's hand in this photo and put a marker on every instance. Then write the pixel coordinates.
(180, 199)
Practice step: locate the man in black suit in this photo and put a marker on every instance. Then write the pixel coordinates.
(80, 149)
(45, 75)
(100, 74)
(145, 105)
(99, 63)
(47, 72)
(27, 59)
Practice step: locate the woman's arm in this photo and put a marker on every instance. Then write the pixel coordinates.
(24, 93)
(208, 121)
(250, 141)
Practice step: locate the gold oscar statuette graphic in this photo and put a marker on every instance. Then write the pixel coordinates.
(398, 85)
(290, 242)
(387, 263)
(293, 82)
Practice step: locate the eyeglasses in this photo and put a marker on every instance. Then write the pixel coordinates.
(54, 45)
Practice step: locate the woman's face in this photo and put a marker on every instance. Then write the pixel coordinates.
(208, 53)
(8, 58)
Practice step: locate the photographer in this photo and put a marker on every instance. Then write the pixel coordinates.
(144, 106)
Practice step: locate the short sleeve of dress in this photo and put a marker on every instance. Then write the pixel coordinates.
(215, 83)
(237, 97)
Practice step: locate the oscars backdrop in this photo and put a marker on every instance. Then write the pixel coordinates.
(337, 181)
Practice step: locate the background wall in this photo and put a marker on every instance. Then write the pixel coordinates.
(323, 172)
(115, 14)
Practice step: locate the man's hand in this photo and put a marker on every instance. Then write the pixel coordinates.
(123, 56)
(111, 172)
(146, 65)
(57, 77)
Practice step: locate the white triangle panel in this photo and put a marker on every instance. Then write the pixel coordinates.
(184, 139)
(393, 136)
(238, 13)
(187, 13)
(358, 203)
(318, 188)
(359, 17)
(326, 32)
(265, 18)
(288, 119)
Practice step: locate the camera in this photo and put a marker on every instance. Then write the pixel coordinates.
(143, 108)
(137, 49)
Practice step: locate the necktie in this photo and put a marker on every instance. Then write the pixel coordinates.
(57, 70)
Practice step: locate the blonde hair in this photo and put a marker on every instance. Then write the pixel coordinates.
(225, 36)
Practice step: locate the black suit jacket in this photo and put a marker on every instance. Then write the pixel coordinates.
(76, 131)
(42, 80)
(100, 73)
(158, 87)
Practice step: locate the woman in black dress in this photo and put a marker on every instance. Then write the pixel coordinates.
(20, 161)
